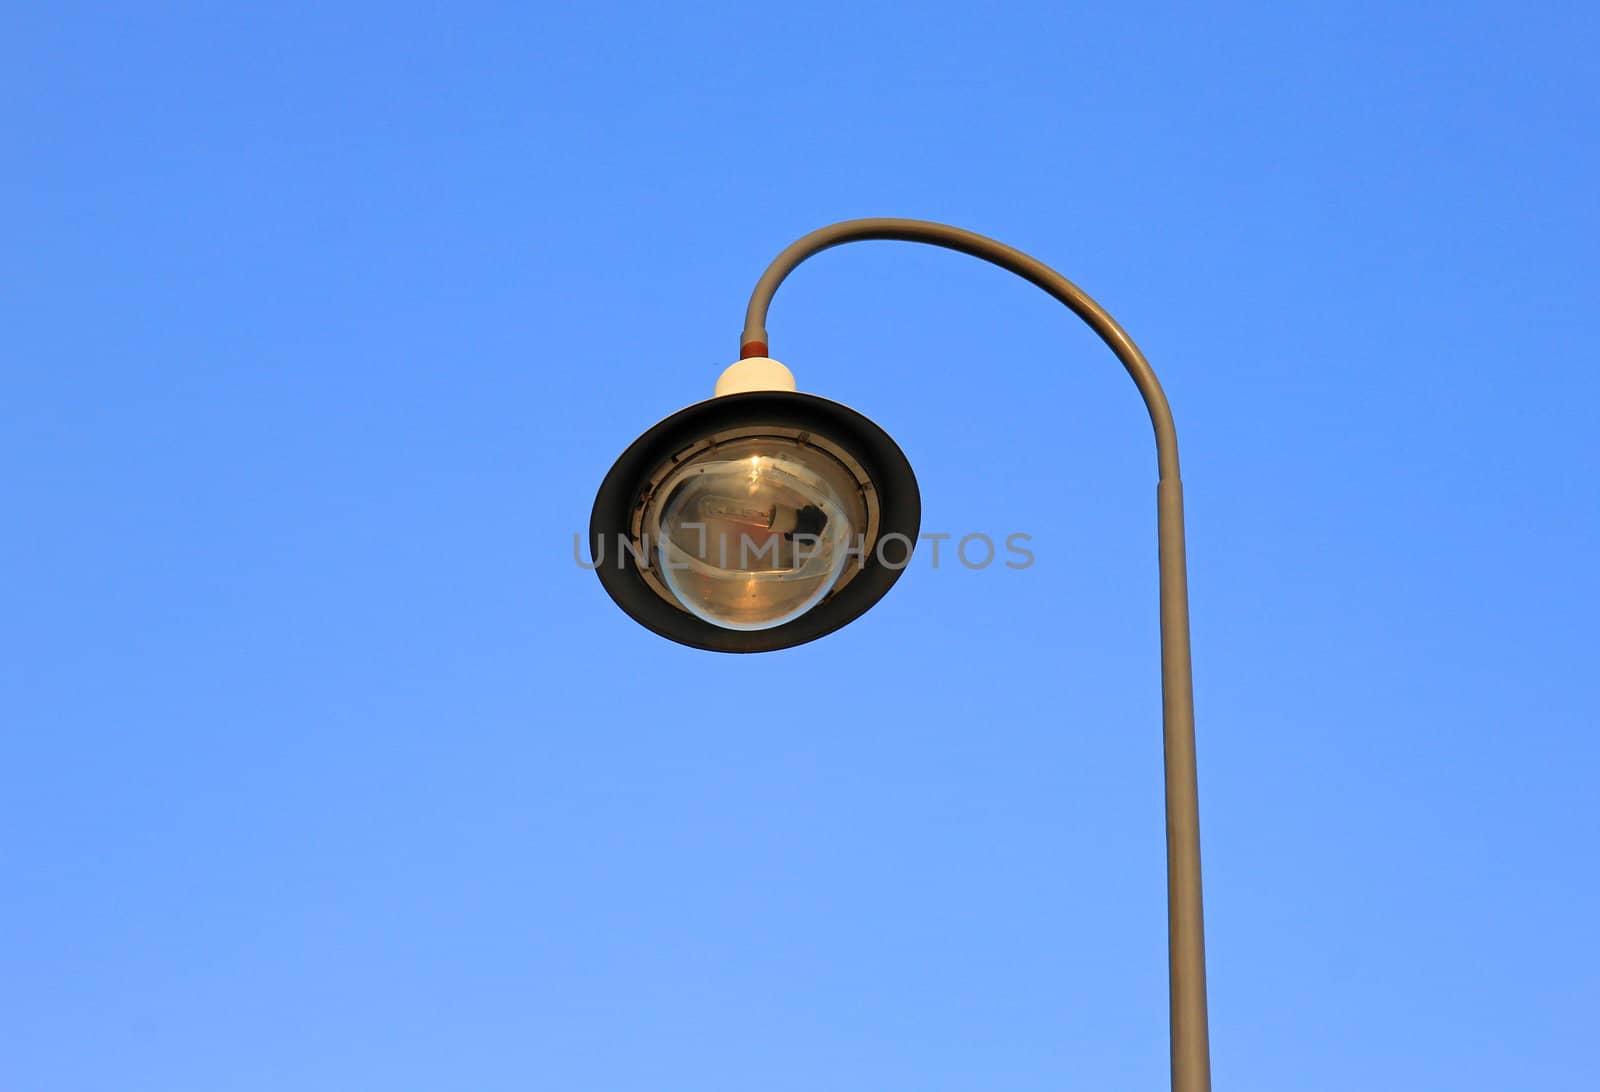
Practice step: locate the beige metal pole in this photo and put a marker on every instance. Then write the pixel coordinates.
(1186, 956)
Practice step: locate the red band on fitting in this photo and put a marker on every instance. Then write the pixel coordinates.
(752, 348)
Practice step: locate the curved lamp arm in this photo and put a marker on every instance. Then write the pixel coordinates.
(1191, 1052)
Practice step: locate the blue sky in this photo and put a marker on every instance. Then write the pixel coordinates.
(324, 767)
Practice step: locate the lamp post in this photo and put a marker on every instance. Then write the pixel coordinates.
(764, 518)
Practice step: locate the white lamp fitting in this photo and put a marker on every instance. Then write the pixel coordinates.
(754, 373)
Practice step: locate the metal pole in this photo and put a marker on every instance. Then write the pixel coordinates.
(1186, 956)
(1186, 940)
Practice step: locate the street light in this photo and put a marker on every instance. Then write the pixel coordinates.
(764, 518)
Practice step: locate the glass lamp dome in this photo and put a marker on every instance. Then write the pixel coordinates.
(754, 533)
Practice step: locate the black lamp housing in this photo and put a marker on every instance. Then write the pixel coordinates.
(880, 468)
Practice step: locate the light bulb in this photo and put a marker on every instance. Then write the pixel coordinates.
(737, 511)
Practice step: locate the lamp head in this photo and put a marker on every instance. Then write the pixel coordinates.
(757, 520)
